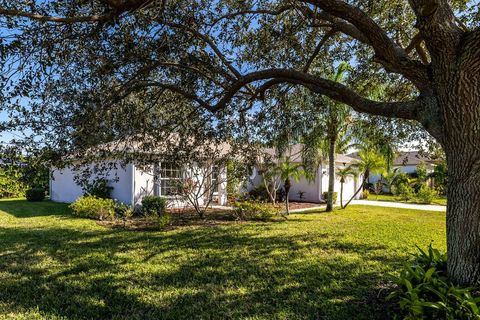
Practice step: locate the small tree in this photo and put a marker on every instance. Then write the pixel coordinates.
(371, 161)
(287, 171)
(270, 178)
(388, 179)
(200, 183)
(343, 174)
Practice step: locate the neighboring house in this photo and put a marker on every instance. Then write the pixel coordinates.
(406, 161)
(312, 191)
(131, 182)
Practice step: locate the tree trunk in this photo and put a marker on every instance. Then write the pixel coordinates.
(463, 213)
(455, 122)
(341, 194)
(356, 192)
(331, 171)
(287, 191)
(271, 193)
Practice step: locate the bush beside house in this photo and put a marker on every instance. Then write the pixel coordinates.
(154, 206)
(93, 207)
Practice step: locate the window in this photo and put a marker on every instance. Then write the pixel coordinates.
(214, 179)
(169, 176)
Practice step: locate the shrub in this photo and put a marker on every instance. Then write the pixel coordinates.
(99, 188)
(259, 193)
(35, 194)
(154, 206)
(93, 207)
(325, 196)
(400, 179)
(426, 195)
(122, 210)
(253, 210)
(377, 187)
(10, 184)
(404, 192)
(424, 291)
(164, 221)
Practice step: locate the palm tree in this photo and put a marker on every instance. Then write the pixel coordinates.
(343, 174)
(287, 171)
(331, 129)
(371, 161)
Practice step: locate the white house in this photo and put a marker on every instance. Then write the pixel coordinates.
(406, 162)
(132, 182)
(312, 191)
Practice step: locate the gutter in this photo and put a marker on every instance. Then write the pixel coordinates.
(133, 186)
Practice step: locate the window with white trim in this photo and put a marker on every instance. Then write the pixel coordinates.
(170, 176)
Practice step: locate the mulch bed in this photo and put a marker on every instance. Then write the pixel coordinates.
(180, 217)
(304, 205)
(188, 217)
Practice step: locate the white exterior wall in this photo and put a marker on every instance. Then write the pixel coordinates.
(64, 189)
(349, 187)
(130, 185)
(310, 189)
(313, 190)
(221, 196)
(144, 185)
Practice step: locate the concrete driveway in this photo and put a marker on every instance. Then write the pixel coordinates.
(428, 207)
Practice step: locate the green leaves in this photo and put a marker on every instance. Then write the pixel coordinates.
(424, 291)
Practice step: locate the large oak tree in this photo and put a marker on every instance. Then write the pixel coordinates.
(64, 57)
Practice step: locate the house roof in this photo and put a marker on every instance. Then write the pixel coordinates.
(170, 143)
(411, 158)
(294, 153)
(405, 158)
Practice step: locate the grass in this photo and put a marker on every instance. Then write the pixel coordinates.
(312, 266)
(388, 197)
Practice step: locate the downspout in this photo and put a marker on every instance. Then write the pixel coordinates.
(320, 181)
(50, 183)
(133, 186)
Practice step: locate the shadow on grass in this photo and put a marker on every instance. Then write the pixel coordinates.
(24, 209)
(200, 273)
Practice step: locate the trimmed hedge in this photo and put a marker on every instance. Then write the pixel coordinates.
(154, 206)
(93, 207)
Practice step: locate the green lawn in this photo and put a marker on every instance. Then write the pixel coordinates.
(312, 266)
(388, 197)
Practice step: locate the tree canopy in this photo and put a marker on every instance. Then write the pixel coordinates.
(80, 73)
(87, 67)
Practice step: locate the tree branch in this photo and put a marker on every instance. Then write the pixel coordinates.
(438, 26)
(334, 90)
(319, 46)
(117, 8)
(366, 30)
(39, 17)
(276, 12)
